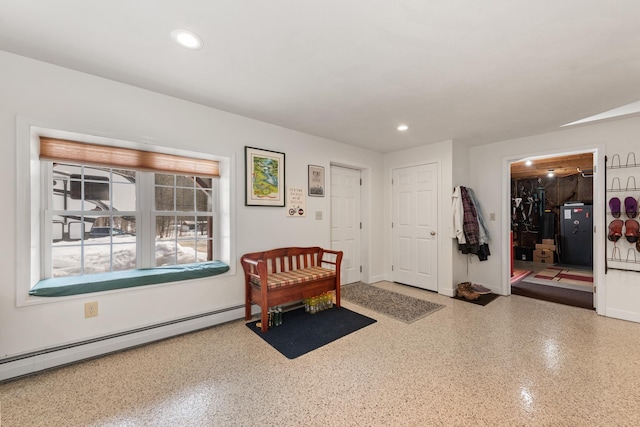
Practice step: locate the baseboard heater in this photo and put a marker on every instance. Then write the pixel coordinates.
(29, 363)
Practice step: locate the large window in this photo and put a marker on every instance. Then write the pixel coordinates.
(99, 224)
(110, 214)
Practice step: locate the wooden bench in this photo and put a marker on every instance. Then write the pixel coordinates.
(290, 274)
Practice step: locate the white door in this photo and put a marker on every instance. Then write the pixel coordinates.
(415, 223)
(345, 220)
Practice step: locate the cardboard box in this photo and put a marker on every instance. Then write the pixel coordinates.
(543, 255)
(548, 242)
(544, 246)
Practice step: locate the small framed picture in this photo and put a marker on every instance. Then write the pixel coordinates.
(316, 181)
(264, 177)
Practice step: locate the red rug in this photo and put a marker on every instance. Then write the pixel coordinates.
(518, 275)
(565, 275)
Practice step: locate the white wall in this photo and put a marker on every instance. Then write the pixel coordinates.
(617, 292)
(78, 101)
(102, 107)
(460, 175)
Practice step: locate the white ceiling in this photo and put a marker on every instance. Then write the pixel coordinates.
(352, 70)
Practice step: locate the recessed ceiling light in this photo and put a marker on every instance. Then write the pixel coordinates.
(187, 39)
(528, 163)
(550, 173)
(402, 128)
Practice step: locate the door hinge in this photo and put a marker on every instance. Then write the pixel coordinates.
(360, 181)
(392, 268)
(360, 226)
(594, 290)
(391, 225)
(360, 269)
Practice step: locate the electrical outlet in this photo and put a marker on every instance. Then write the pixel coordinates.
(90, 309)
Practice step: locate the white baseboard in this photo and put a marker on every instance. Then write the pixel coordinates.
(379, 278)
(631, 316)
(448, 292)
(34, 362)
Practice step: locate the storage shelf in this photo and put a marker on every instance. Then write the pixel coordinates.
(632, 257)
(628, 164)
(633, 165)
(619, 171)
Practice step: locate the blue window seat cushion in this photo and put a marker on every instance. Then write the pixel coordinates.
(75, 285)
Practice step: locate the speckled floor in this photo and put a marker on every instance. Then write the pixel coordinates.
(517, 361)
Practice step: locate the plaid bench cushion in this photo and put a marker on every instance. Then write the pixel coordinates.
(288, 278)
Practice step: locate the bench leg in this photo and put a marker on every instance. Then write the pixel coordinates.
(264, 318)
(247, 302)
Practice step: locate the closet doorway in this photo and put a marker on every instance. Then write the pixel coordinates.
(346, 221)
(414, 225)
(551, 228)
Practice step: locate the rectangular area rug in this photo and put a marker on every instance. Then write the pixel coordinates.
(519, 275)
(398, 306)
(581, 280)
(302, 332)
(555, 294)
(482, 299)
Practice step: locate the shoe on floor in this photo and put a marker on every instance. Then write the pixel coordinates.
(464, 290)
(479, 289)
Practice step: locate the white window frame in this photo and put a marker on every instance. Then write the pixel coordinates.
(31, 193)
(154, 214)
(50, 212)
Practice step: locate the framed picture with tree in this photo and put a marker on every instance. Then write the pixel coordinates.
(264, 177)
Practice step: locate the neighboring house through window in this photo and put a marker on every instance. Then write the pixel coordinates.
(98, 221)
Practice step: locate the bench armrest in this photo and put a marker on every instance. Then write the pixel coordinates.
(254, 267)
(336, 262)
(251, 261)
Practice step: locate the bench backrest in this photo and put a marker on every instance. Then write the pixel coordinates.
(287, 259)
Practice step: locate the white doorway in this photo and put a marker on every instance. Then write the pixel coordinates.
(414, 226)
(345, 220)
(563, 165)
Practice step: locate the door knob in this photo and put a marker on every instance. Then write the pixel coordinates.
(433, 233)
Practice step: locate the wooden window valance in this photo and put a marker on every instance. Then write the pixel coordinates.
(126, 158)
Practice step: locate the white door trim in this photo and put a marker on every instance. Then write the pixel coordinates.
(346, 223)
(365, 216)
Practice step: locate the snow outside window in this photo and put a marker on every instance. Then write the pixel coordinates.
(103, 219)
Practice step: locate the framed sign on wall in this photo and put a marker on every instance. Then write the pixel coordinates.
(316, 181)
